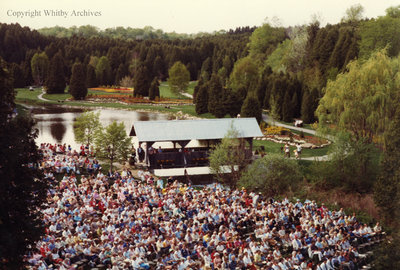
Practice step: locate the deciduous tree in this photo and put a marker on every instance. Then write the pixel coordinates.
(179, 77)
(362, 100)
(271, 175)
(39, 66)
(113, 143)
(86, 126)
(228, 160)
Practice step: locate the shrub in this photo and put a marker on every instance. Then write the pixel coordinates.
(271, 175)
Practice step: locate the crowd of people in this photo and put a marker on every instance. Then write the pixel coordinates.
(121, 221)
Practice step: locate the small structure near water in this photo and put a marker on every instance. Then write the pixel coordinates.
(190, 142)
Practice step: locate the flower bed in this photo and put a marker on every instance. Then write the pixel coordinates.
(113, 90)
(130, 99)
(284, 135)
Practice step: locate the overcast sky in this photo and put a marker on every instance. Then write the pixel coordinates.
(182, 16)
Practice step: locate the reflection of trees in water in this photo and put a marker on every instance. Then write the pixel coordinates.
(143, 116)
(58, 130)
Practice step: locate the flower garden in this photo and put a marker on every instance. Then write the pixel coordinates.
(124, 95)
(283, 135)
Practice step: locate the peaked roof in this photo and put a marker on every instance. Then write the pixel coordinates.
(202, 129)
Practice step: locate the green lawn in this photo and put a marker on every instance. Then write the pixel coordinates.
(23, 94)
(275, 148)
(166, 92)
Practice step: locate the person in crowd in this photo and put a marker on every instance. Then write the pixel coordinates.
(120, 221)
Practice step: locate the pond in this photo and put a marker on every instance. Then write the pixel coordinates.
(55, 123)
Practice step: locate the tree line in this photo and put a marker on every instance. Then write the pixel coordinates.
(283, 70)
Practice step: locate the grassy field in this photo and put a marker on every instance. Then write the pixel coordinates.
(26, 96)
(166, 92)
(275, 148)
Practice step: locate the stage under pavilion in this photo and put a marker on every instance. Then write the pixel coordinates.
(182, 147)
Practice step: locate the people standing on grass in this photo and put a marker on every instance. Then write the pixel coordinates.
(287, 150)
(298, 149)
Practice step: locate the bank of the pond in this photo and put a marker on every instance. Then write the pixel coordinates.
(29, 98)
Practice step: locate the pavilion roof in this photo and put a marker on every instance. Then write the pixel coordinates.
(201, 129)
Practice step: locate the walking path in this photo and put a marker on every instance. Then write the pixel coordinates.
(269, 119)
(41, 96)
(186, 95)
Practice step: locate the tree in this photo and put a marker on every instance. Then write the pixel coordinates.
(55, 82)
(18, 75)
(179, 77)
(353, 14)
(77, 85)
(378, 34)
(216, 96)
(86, 127)
(251, 108)
(91, 80)
(362, 100)
(39, 66)
(103, 71)
(202, 99)
(154, 90)
(232, 103)
(244, 76)
(228, 160)
(264, 39)
(113, 143)
(393, 12)
(23, 190)
(387, 256)
(271, 175)
(141, 82)
(350, 165)
(387, 188)
(309, 105)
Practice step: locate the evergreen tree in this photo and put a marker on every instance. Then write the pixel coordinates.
(23, 189)
(91, 80)
(232, 103)
(287, 109)
(141, 82)
(120, 74)
(77, 85)
(103, 71)
(279, 87)
(159, 67)
(307, 107)
(216, 96)
(251, 108)
(202, 99)
(18, 75)
(206, 68)
(154, 90)
(55, 82)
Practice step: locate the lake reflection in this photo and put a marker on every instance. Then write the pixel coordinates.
(55, 124)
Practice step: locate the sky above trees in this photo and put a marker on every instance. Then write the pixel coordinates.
(183, 16)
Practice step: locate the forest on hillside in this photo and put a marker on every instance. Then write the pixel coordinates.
(280, 69)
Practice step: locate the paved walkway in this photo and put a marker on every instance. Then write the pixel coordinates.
(41, 96)
(269, 119)
(187, 95)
